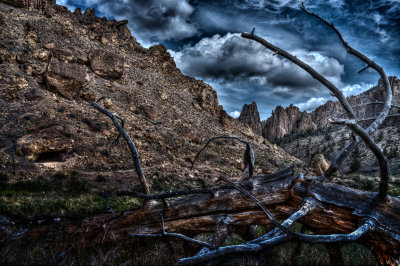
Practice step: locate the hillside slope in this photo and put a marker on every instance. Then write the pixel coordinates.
(53, 63)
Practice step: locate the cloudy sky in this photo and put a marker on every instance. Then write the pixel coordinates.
(204, 38)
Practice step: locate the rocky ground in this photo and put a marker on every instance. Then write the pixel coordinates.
(53, 63)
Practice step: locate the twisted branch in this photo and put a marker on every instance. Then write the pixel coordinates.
(376, 150)
(132, 147)
(383, 114)
(257, 247)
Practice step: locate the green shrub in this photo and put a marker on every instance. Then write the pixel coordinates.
(4, 177)
(355, 164)
(101, 178)
(393, 153)
(60, 176)
(328, 137)
(380, 136)
(105, 152)
(77, 185)
(369, 185)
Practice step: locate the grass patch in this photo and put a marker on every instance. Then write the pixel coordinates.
(394, 190)
(120, 204)
(356, 254)
(73, 185)
(233, 239)
(51, 205)
(77, 185)
(38, 185)
(63, 195)
(159, 185)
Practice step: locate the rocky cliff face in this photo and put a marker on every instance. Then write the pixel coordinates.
(366, 105)
(285, 120)
(54, 62)
(250, 116)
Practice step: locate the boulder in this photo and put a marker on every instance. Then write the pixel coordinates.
(319, 165)
(149, 111)
(106, 64)
(48, 144)
(66, 79)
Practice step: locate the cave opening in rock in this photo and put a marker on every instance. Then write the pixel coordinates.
(52, 156)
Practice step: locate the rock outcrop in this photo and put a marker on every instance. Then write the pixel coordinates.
(319, 165)
(106, 64)
(250, 116)
(54, 63)
(66, 79)
(285, 120)
(366, 105)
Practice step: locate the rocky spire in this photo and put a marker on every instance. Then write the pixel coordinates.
(251, 117)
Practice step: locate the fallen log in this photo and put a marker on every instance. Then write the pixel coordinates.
(341, 210)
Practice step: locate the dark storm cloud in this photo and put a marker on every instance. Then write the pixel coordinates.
(230, 58)
(150, 20)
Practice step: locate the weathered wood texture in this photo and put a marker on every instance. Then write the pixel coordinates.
(342, 210)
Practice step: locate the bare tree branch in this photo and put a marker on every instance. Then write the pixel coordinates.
(205, 190)
(370, 103)
(236, 249)
(308, 206)
(338, 94)
(122, 125)
(132, 147)
(375, 117)
(383, 114)
(277, 175)
(175, 235)
(253, 248)
(248, 194)
(363, 69)
(376, 150)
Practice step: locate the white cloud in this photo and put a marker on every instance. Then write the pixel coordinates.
(311, 104)
(231, 58)
(235, 114)
(355, 89)
(65, 3)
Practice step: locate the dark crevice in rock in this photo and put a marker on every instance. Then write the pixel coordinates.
(54, 156)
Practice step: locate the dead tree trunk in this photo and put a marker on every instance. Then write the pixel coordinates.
(338, 210)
